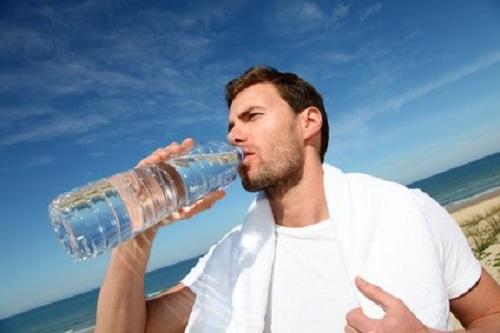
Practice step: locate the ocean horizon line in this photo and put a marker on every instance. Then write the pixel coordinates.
(94, 289)
(451, 169)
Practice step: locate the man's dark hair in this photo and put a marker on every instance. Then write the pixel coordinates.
(298, 93)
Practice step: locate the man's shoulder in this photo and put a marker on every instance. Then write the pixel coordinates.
(373, 183)
(361, 178)
(373, 187)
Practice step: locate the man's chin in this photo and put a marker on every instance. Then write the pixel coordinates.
(249, 187)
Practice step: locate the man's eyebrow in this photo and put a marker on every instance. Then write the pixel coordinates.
(242, 114)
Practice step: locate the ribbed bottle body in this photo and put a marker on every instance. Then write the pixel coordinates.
(94, 218)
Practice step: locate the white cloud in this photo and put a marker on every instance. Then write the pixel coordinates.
(412, 35)
(349, 125)
(12, 114)
(34, 162)
(340, 11)
(311, 12)
(295, 17)
(369, 11)
(337, 57)
(147, 69)
(62, 126)
(352, 133)
(40, 161)
(19, 41)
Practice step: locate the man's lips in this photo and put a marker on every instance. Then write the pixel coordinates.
(248, 156)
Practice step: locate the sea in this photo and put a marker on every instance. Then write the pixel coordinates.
(463, 183)
(77, 313)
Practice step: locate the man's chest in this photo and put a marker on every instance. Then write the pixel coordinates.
(310, 289)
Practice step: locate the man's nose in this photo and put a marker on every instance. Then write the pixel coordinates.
(235, 136)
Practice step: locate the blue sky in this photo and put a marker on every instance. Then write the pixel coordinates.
(89, 88)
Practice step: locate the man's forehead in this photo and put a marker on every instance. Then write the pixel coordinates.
(256, 95)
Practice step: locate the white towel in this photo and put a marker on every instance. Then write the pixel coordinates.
(382, 235)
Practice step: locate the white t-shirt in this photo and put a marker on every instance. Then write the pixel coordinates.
(310, 288)
(300, 263)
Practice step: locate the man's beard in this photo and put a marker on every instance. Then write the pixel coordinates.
(284, 171)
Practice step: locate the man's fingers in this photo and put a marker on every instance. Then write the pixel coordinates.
(376, 294)
(213, 197)
(165, 153)
(349, 329)
(188, 144)
(357, 320)
(197, 207)
(176, 149)
(202, 204)
(158, 156)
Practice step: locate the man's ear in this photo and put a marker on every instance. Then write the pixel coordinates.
(312, 121)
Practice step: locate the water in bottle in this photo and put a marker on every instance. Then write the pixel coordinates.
(96, 217)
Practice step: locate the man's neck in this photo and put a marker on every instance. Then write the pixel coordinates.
(302, 203)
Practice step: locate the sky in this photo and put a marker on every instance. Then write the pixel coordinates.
(89, 88)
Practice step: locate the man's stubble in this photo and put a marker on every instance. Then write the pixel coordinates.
(280, 169)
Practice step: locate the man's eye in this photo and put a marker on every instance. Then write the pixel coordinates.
(253, 115)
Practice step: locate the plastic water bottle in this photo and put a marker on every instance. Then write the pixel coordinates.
(94, 218)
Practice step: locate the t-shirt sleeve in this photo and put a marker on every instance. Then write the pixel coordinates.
(461, 269)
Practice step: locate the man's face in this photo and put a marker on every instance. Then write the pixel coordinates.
(268, 131)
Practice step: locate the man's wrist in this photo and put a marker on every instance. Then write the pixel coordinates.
(135, 252)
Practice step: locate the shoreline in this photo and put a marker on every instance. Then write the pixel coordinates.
(487, 195)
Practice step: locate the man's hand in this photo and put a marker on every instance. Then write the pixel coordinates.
(166, 153)
(397, 319)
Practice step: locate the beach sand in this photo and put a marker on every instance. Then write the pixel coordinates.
(478, 217)
(468, 209)
(471, 216)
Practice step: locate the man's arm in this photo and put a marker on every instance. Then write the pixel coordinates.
(121, 306)
(170, 310)
(478, 310)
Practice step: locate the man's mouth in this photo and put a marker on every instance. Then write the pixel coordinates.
(248, 156)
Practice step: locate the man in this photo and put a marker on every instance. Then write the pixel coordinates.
(294, 264)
